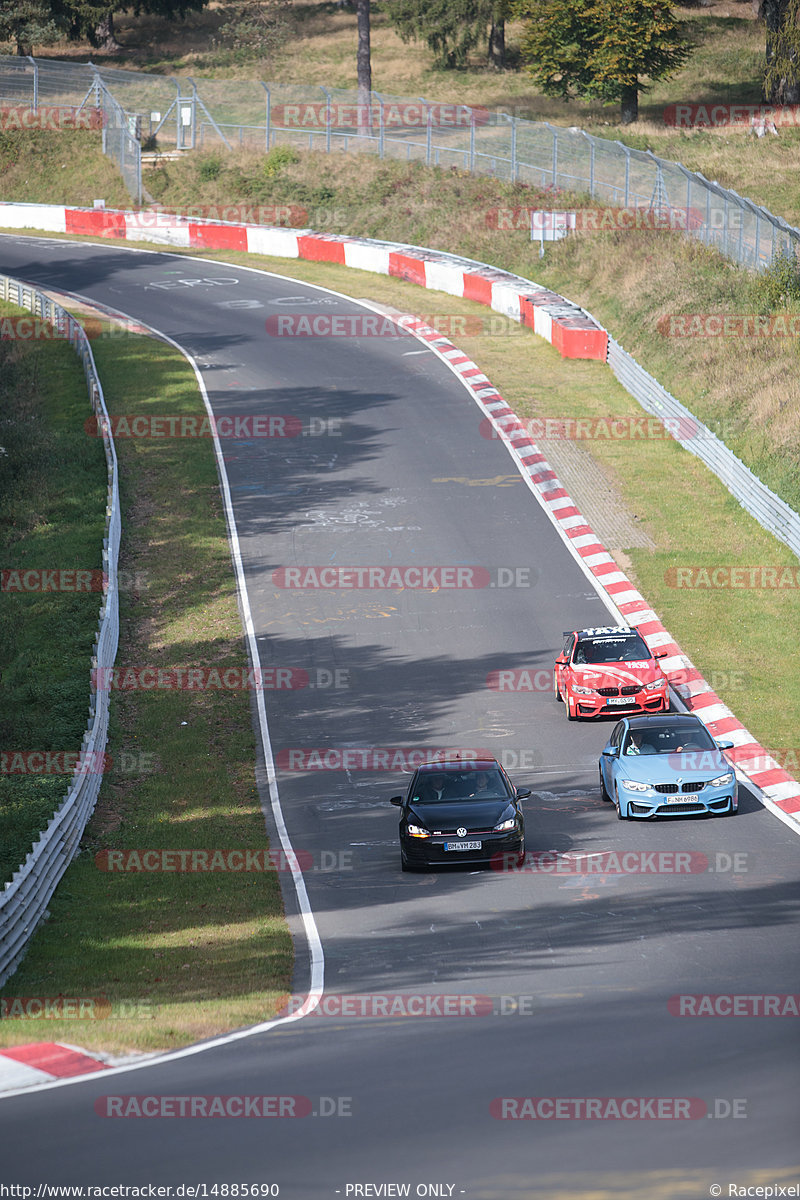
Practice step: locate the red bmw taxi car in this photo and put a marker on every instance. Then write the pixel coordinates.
(609, 670)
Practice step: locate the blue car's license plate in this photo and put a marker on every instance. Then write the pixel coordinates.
(462, 845)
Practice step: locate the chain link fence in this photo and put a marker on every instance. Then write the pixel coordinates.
(183, 113)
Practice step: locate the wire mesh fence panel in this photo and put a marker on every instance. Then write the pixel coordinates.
(257, 115)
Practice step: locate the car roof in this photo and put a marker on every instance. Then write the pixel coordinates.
(605, 631)
(459, 764)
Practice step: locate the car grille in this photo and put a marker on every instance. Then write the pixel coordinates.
(695, 785)
(481, 829)
(688, 807)
(632, 690)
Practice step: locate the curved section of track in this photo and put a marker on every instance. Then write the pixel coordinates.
(563, 976)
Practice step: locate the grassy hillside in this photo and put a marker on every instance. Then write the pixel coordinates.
(319, 49)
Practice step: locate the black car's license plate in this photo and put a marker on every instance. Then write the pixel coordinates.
(463, 845)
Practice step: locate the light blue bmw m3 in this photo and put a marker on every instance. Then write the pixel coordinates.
(666, 766)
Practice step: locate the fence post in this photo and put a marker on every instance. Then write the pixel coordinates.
(513, 149)
(381, 126)
(555, 157)
(269, 101)
(428, 131)
(327, 96)
(472, 141)
(35, 81)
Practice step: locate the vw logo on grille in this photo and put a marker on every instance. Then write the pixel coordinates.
(461, 831)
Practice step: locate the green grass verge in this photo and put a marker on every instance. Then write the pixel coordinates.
(53, 485)
(175, 957)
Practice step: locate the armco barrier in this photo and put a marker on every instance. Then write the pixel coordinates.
(24, 900)
(550, 316)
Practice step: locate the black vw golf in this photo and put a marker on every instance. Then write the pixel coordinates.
(461, 812)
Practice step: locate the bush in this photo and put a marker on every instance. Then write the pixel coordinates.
(778, 286)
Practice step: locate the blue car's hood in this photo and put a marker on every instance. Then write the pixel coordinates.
(667, 768)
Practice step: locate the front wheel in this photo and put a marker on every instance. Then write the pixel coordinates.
(603, 793)
(557, 690)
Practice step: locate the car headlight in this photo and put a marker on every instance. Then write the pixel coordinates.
(417, 831)
(633, 785)
(723, 780)
(582, 691)
(504, 826)
(657, 683)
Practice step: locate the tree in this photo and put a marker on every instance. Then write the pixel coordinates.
(94, 19)
(782, 74)
(601, 49)
(28, 23)
(260, 29)
(364, 68)
(452, 28)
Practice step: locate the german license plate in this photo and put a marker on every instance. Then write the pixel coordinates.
(462, 845)
(620, 700)
(674, 800)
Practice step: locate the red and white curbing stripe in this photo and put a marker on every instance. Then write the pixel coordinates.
(780, 791)
(41, 1062)
(566, 326)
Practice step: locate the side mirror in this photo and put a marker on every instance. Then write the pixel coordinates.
(611, 752)
(523, 793)
(660, 654)
(398, 800)
(725, 745)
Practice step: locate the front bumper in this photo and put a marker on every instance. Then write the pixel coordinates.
(610, 706)
(431, 852)
(718, 802)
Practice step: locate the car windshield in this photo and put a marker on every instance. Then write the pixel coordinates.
(668, 739)
(625, 648)
(435, 787)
